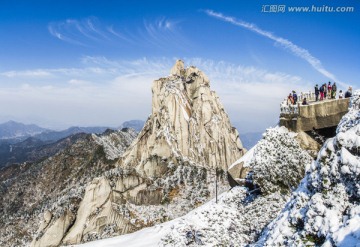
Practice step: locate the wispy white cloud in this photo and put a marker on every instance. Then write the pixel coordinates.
(77, 32)
(37, 73)
(160, 32)
(55, 29)
(119, 35)
(285, 43)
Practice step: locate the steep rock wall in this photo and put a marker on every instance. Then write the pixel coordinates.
(316, 116)
(169, 169)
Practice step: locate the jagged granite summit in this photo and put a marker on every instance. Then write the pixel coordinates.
(168, 170)
(187, 121)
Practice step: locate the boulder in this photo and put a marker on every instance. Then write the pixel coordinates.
(54, 233)
(308, 143)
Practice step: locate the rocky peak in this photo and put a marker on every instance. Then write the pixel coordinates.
(187, 121)
(167, 171)
(178, 68)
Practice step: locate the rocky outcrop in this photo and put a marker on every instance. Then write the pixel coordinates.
(276, 164)
(39, 200)
(55, 232)
(308, 143)
(239, 215)
(318, 115)
(170, 168)
(113, 142)
(325, 208)
(187, 121)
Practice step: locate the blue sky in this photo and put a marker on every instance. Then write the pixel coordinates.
(89, 63)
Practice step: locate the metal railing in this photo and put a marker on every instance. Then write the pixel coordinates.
(310, 96)
(286, 108)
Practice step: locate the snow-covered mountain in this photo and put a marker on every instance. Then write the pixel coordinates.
(32, 150)
(159, 189)
(167, 171)
(112, 141)
(277, 164)
(52, 187)
(40, 146)
(325, 208)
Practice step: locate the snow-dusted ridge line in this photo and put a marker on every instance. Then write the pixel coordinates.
(115, 143)
(325, 208)
(238, 218)
(154, 236)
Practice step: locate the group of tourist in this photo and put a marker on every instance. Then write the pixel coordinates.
(293, 98)
(324, 91)
(327, 91)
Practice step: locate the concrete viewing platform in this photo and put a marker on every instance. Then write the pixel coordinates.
(317, 115)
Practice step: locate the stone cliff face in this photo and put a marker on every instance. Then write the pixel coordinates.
(51, 188)
(187, 121)
(169, 168)
(317, 115)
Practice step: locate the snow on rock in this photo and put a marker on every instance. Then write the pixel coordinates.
(325, 209)
(232, 221)
(170, 167)
(240, 214)
(115, 142)
(277, 162)
(42, 198)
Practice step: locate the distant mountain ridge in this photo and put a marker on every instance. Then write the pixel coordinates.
(134, 124)
(29, 142)
(13, 130)
(33, 149)
(57, 135)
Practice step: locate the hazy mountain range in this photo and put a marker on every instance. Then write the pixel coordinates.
(12, 130)
(28, 142)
